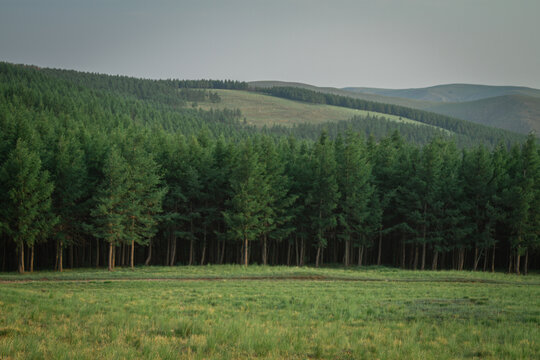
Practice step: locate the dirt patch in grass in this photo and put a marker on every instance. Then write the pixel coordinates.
(274, 278)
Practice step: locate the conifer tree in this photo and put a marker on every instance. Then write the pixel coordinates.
(356, 191)
(111, 203)
(26, 199)
(249, 199)
(324, 194)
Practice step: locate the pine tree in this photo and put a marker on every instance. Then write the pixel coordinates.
(249, 199)
(356, 192)
(70, 178)
(111, 203)
(324, 194)
(144, 198)
(26, 201)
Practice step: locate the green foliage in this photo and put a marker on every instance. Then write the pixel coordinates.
(26, 199)
(134, 166)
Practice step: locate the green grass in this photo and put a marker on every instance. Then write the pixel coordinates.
(497, 316)
(259, 110)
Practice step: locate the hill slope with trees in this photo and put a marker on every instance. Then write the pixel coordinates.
(100, 170)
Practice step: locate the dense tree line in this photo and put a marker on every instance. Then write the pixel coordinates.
(474, 132)
(212, 84)
(93, 177)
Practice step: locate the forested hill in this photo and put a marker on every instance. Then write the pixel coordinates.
(510, 108)
(450, 93)
(98, 169)
(464, 128)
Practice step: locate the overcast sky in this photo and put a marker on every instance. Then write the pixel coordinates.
(383, 43)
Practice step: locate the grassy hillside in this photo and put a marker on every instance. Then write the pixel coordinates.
(504, 107)
(260, 109)
(449, 92)
(517, 113)
(417, 104)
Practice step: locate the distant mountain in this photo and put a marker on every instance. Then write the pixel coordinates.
(449, 93)
(517, 113)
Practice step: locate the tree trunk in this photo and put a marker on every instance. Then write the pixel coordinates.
(149, 257)
(61, 257)
(174, 240)
(110, 265)
(132, 264)
(423, 254)
(32, 259)
(477, 257)
(302, 251)
(97, 253)
(21, 259)
(415, 263)
(168, 258)
(346, 256)
(380, 246)
(493, 260)
(486, 252)
(289, 246)
(123, 255)
(403, 253)
(510, 261)
(264, 251)
(296, 253)
(525, 265)
(461, 259)
(317, 257)
(71, 256)
(190, 252)
(435, 258)
(222, 252)
(360, 255)
(518, 260)
(203, 255)
(246, 251)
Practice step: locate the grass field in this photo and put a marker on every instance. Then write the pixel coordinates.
(259, 110)
(229, 312)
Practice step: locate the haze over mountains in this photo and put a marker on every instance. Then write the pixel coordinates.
(507, 107)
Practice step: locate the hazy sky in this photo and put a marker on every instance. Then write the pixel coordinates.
(383, 43)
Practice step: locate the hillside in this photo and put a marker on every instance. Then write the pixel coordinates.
(417, 104)
(259, 110)
(449, 92)
(506, 107)
(187, 107)
(517, 113)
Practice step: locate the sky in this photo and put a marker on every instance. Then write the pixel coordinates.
(339, 43)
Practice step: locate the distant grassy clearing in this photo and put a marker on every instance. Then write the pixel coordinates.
(233, 319)
(259, 110)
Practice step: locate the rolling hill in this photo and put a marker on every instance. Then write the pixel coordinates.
(449, 92)
(413, 103)
(506, 107)
(517, 113)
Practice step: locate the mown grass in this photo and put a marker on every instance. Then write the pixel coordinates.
(260, 109)
(276, 319)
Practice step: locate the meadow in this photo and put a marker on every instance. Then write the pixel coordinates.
(260, 110)
(231, 312)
